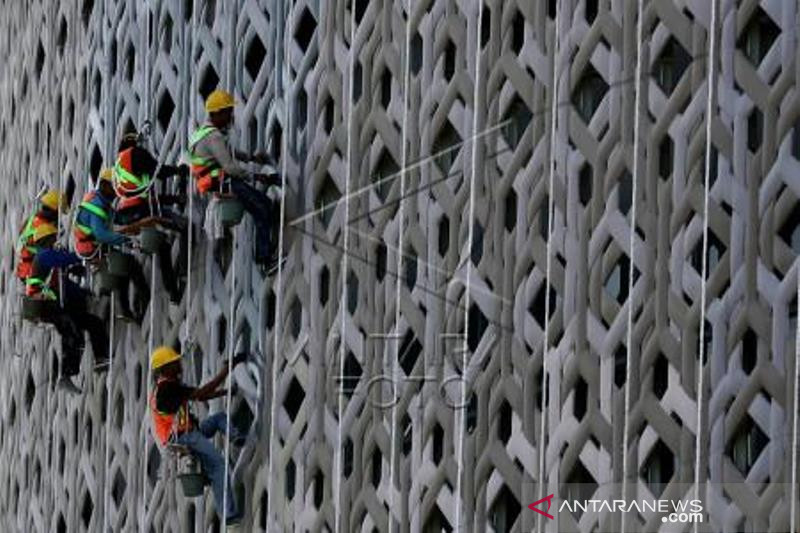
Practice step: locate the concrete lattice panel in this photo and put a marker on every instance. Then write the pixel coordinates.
(338, 447)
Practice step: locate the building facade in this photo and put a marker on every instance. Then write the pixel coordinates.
(466, 321)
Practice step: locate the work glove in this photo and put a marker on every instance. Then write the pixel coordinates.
(240, 358)
(183, 171)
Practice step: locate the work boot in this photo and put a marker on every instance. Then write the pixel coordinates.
(233, 524)
(66, 384)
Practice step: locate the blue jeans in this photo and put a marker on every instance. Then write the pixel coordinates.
(211, 460)
(262, 209)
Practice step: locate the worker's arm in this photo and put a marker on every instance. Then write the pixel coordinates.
(52, 258)
(206, 392)
(103, 234)
(210, 390)
(218, 149)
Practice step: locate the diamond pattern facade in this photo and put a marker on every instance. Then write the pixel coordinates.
(422, 222)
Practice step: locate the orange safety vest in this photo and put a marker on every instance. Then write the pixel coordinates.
(166, 425)
(206, 172)
(25, 247)
(128, 186)
(85, 244)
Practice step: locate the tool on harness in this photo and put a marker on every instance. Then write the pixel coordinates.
(189, 473)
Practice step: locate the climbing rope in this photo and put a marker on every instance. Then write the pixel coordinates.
(461, 418)
(279, 291)
(229, 380)
(548, 267)
(150, 340)
(704, 273)
(343, 304)
(397, 337)
(146, 418)
(793, 499)
(109, 412)
(637, 87)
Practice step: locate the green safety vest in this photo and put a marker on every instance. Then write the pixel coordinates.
(201, 166)
(94, 210)
(26, 234)
(44, 285)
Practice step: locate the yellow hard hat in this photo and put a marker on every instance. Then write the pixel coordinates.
(163, 355)
(219, 100)
(44, 230)
(107, 174)
(54, 198)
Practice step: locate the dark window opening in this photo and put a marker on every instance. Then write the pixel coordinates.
(254, 57)
(208, 82)
(747, 444)
(755, 129)
(659, 468)
(585, 184)
(749, 351)
(589, 93)
(504, 511)
(305, 30)
(758, 36)
(580, 403)
(672, 62)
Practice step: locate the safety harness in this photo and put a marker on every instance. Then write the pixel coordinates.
(169, 425)
(132, 190)
(206, 171)
(85, 244)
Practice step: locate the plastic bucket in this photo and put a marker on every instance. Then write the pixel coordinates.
(118, 264)
(193, 484)
(150, 240)
(106, 282)
(231, 211)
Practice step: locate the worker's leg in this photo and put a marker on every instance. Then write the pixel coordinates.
(260, 208)
(213, 465)
(217, 423)
(72, 342)
(168, 276)
(142, 296)
(76, 306)
(96, 329)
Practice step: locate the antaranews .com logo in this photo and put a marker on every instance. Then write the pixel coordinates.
(673, 511)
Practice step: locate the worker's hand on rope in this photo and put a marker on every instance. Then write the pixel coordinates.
(240, 358)
(269, 179)
(183, 171)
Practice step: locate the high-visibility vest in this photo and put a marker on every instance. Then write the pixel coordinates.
(25, 247)
(46, 287)
(206, 171)
(130, 188)
(85, 244)
(165, 425)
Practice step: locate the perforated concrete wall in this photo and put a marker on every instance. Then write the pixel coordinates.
(362, 419)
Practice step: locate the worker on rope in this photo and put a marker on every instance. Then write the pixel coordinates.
(133, 178)
(173, 421)
(214, 167)
(70, 315)
(50, 204)
(93, 231)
